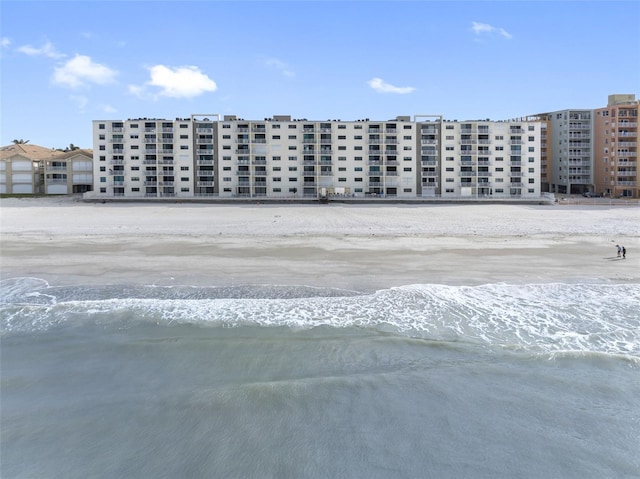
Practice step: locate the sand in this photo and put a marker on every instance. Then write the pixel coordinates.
(359, 247)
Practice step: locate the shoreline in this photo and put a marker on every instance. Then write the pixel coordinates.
(354, 247)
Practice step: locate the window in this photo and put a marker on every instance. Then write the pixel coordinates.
(342, 137)
(449, 169)
(277, 179)
(292, 127)
(499, 137)
(293, 179)
(357, 148)
(449, 127)
(450, 148)
(357, 168)
(357, 137)
(275, 127)
(103, 168)
(293, 158)
(531, 149)
(342, 179)
(293, 168)
(223, 126)
(184, 178)
(184, 137)
(532, 180)
(184, 125)
(532, 138)
(408, 137)
(276, 168)
(293, 147)
(101, 126)
(135, 168)
(407, 148)
(449, 180)
(407, 169)
(102, 148)
(101, 137)
(343, 148)
(275, 137)
(449, 137)
(184, 147)
(103, 158)
(226, 137)
(226, 168)
(531, 128)
(342, 127)
(275, 158)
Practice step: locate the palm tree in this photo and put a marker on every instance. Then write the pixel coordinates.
(20, 142)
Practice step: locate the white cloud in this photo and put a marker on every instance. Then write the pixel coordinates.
(484, 28)
(178, 82)
(379, 85)
(5, 42)
(47, 50)
(108, 109)
(81, 70)
(279, 65)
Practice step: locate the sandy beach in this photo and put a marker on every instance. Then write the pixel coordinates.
(360, 247)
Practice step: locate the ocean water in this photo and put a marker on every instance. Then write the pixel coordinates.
(267, 381)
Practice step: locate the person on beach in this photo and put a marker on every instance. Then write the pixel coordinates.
(619, 250)
(624, 252)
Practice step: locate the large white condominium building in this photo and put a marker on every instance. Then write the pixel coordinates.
(281, 157)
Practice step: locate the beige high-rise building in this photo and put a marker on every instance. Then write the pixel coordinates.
(615, 140)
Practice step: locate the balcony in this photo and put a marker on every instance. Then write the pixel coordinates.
(204, 131)
(204, 183)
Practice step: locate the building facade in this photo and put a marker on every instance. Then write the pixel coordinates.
(21, 168)
(281, 157)
(616, 147)
(569, 150)
(68, 173)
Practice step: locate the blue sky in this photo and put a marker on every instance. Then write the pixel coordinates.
(64, 64)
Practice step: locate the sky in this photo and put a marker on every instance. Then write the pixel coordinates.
(65, 64)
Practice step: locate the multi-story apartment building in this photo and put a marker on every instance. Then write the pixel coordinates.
(616, 147)
(143, 158)
(68, 172)
(491, 159)
(281, 157)
(22, 169)
(568, 154)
